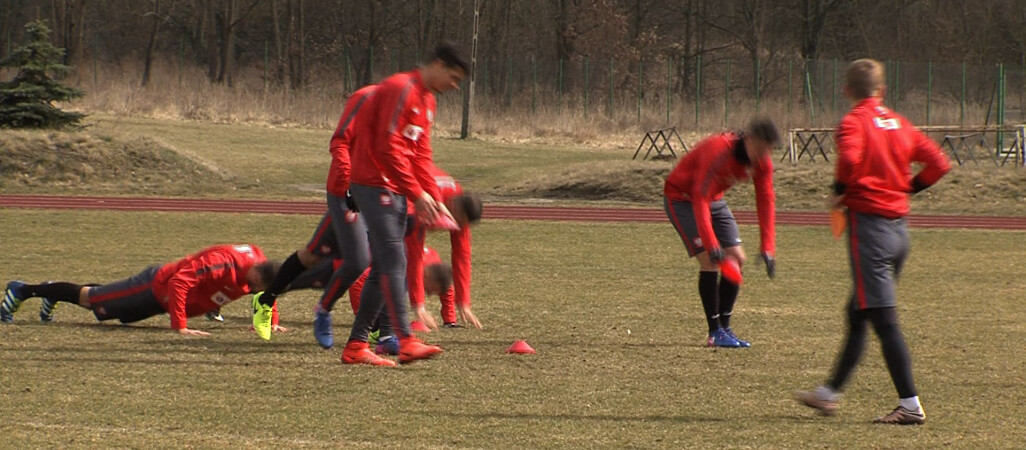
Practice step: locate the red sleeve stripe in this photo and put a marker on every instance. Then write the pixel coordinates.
(399, 106)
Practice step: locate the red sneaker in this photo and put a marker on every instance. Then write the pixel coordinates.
(412, 349)
(357, 352)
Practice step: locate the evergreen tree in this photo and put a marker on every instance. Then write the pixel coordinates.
(27, 101)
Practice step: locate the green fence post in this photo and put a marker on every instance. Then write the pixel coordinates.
(559, 87)
(897, 83)
(534, 84)
(961, 110)
(181, 62)
(698, 89)
(833, 89)
(669, 68)
(610, 100)
(929, 89)
(586, 86)
(808, 91)
(641, 71)
(509, 84)
(726, 96)
(790, 74)
(758, 89)
(484, 80)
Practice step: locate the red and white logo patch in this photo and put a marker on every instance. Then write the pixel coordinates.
(386, 200)
(351, 217)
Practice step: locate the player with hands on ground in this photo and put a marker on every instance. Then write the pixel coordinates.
(192, 286)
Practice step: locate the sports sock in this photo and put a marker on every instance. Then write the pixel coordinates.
(290, 269)
(707, 290)
(911, 403)
(728, 295)
(61, 291)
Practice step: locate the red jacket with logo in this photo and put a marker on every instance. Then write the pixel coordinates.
(461, 248)
(875, 148)
(338, 172)
(392, 137)
(204, 281)
(712, 167)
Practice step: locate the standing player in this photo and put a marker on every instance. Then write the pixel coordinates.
(873, 180)
(466, 209)
(693, 199)
(191, 286)
(342, 232)
(392, 162)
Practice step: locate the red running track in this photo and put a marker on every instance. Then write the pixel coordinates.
(604, 214)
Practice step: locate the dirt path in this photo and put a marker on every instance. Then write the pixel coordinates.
(604, 214)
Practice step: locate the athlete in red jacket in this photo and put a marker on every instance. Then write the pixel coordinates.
(341, 234)
(466, 209)
(191, 286)
(693, 199)
(391, 158)
(873, 180)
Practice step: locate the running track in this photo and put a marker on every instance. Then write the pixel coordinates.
(605, 214)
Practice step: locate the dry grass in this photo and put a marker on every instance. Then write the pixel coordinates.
(531, 117)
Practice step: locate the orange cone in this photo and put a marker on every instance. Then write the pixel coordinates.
(520, 347)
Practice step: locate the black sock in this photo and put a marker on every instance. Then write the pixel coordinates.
(728, 295)
(61, 291)
(707, 290)
(290, 269)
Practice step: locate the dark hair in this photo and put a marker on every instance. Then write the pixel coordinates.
(763, 128)
(449, 54)
(472, 207)
(441, 274)
(267, 270)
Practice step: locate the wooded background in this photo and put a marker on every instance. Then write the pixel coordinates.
(600, 55)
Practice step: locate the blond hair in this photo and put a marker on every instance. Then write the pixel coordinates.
(864, 78)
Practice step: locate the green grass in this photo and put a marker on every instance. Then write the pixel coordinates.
(611, 309)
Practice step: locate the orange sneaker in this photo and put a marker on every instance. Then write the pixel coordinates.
(357, 352)
(412, 349)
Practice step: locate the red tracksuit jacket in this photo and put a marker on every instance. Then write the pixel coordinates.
(461, 249)
(392, 137)
(205, 281)
(875, 148)
(338, 172)
(710, 169)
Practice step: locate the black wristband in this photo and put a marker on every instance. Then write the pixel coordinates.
(918, 185)
(839, 188)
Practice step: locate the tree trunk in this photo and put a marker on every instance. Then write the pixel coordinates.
(213, 40)
(468, 96)
(148, 61)
(226, 21)
(372, 37)
(279, 57)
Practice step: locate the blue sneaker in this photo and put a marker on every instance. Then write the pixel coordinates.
(720, 338)
(730, 332)
(322, 328)
(12, 300)
(46, 310)
(389, 346)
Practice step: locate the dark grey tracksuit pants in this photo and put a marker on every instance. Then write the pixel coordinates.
(351, 235)
(385, 290)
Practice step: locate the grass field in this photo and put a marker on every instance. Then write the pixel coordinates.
(611, 309)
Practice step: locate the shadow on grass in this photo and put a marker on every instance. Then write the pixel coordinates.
(574, 417)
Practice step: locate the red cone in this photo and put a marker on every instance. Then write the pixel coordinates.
(520, 347)
(730, 270)
(419, 327)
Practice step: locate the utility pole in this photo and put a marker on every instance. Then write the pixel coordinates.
(468, 95)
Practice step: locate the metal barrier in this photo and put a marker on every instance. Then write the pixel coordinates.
(962, 144)
(654, 137)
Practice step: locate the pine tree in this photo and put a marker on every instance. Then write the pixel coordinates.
(27, 101)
